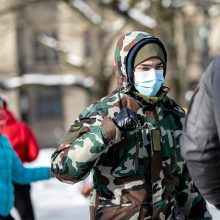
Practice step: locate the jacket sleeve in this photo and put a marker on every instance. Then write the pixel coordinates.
(30, 142)
(86, 140)
(24, 175)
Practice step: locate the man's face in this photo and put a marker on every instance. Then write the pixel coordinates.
(151, 63)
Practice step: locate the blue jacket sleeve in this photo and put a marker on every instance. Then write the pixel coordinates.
(24, 175)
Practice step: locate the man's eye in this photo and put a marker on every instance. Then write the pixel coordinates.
(159, 67)
(146, 68)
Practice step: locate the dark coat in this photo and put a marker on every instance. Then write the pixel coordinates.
(200, 143)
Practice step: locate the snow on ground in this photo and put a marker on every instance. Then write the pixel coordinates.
(53, 200)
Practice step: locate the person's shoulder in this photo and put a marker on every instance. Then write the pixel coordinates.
(217, 59)
(22, 125)
(4, 139)
(215, 65)
(6, 146)
(103, 105)
(210, 70)
(111, 99)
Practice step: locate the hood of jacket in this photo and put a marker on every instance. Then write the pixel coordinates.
(10, 117)
(125, 52)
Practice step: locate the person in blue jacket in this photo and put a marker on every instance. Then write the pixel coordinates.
(11, 169)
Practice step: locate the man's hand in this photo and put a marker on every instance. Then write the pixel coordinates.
(128, 120)
(86, 189)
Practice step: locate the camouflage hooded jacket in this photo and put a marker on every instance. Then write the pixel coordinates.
(138, 174)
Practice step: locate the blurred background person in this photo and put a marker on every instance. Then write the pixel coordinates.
(26, 147)
(200, 142)
(13, 170)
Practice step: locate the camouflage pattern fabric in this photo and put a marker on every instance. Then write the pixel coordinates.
(136, 175)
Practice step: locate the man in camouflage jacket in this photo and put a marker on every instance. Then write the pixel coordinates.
(130, 142)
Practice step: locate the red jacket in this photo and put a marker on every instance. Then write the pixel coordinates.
(21, 138)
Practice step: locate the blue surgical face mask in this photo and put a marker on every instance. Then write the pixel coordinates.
(148, 82)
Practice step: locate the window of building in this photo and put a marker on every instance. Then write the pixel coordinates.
(49, 103)
(43, 53)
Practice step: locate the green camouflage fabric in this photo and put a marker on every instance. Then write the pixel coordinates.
(136, 175)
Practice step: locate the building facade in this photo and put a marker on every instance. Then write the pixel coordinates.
(38, 38)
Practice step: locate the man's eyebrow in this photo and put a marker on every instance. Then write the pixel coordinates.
(161, 63)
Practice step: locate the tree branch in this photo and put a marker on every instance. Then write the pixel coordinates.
(88, 13)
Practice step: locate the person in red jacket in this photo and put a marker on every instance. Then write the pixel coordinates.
(25, 145)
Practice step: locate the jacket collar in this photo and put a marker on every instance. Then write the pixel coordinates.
(152, 99)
